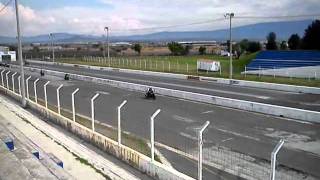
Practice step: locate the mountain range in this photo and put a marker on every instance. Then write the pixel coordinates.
(253, 32)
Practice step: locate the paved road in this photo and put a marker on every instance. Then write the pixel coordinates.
(176, 125)
(288, 99)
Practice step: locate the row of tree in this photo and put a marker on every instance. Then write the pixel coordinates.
(310, 40)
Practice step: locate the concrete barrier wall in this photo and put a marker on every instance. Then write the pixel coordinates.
(281, 111)
(263, 85)
(126, 154)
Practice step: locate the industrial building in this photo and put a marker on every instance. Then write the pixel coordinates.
(6, 55)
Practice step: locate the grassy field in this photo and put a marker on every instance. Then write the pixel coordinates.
(188, 65)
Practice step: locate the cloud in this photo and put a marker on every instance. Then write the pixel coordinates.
(124, 15)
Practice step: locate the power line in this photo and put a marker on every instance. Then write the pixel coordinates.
(278, 17)
(172, 26)
(5, 6)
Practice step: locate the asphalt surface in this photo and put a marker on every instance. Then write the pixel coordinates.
(176, 126)
(275, 97)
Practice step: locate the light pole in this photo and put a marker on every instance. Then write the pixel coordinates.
(200, 143)
(92, 110)
(230, 15)
(119, 121)
(52, 48)
(45, 94)
(152, 133)
(58, 98)
(35, 90)
(73, 108)
(107, 32)
(23, 95)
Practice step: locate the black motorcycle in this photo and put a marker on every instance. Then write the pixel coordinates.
(150, 94)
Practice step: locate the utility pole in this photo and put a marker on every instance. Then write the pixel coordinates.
(51, 37)
(23, 93)
(107, 32)
(230, 15)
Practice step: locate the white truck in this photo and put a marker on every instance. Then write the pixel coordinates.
(208, 65)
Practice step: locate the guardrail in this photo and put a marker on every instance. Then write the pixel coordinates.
(281, 111)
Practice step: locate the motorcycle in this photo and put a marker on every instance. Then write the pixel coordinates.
(150, 94)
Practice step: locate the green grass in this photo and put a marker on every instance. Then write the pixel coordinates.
(188, 65)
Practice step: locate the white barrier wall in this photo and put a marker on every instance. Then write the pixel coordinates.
(263, 85)
(293, 113)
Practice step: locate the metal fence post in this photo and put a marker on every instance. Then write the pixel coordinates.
(45, 94)
(245, 71)
(152, 133)
(2, 83)
(73, 108)
(119, 121)
(19, 81)
(200, 143)
(274, 158)
(58, 98)
(7, 79)
(35, 90)
(12, 79)
(92, 110)
(27, 87)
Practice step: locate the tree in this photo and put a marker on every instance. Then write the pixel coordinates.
(186, 49)
(202, 50)
(283, 45)
(176, 48)
(36, 49)
(13, 48)
(137, 48)
(272, 44)
(253, 46)
(244, 45)
(294, 42)
(311, 39)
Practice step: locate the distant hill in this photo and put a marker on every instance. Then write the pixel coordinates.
(254, 32)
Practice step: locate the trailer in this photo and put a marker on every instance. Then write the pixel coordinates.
(208, 65)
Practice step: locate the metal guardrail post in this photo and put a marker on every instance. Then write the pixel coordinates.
(27, 87)
(7, 79)
(200, 143)
(2, 83)
(58, 98)
(45, 94)
(12, 79)
(152, 133)
(35, 90)
(19, 84)
(92, 110)
(274, 158)
(119, 121)
(73, 108)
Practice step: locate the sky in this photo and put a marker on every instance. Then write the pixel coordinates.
(127, 17)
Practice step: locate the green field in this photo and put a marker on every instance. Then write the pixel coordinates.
(188, 65)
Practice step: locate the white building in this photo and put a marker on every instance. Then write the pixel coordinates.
(6, 55)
